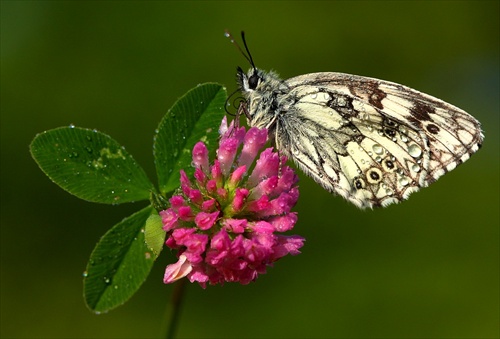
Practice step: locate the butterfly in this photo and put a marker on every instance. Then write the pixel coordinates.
(371, 141)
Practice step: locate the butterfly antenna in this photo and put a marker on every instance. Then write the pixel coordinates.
(248, 51)
(247, 55)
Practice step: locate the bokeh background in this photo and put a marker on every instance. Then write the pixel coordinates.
(425, 268)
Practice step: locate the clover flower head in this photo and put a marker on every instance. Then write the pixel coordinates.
(226, 223)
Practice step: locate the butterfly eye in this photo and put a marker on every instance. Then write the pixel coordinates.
(253, 81)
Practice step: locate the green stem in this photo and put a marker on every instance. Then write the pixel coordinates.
(174, 308)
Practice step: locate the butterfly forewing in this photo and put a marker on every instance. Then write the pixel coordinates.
(371, 141)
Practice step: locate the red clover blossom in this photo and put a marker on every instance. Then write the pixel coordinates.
(224, 223)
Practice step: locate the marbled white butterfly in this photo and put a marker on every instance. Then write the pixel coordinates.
(374, 142)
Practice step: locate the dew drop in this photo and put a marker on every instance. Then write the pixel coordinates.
(107, 280)
(404, 181)
(378, 149)
(314, 95)
(85, 274)
(414, 150)
(404, 138)
(415, 168)
(389, 191)
(71, 126)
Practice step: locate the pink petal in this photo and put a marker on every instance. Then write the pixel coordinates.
(287, 245)
(226, 154)
(176, 201)
(283, 223)
(169, 219)
(211, 186)
(266, 166)
(185, 183)
(195, 196)
(237, 175)
(255, 139)
(235, 225)
(200, 177)
(176, 271)
(196, 245)
(265, 187)
(200, 156)
(220, 241)
(287, 179)
(263, 227)
(239, 199)
(217, 173)
(205, 220)
(259, 205)
(223, 126)
(181, 234)
(222, 193)
(208, 205)
(185, 213)
(199, 275)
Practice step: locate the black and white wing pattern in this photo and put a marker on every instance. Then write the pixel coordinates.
(371, 141)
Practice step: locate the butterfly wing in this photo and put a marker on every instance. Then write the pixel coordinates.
(371, 141)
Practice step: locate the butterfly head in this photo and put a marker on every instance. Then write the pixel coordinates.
(250, 81)
(258, 88)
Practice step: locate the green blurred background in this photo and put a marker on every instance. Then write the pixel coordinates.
(425, 268)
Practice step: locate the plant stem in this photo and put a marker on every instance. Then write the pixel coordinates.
(174, 308)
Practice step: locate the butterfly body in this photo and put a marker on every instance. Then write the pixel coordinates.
(371, 141)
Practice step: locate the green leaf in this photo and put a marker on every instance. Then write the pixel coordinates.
(194, 117)
(154, 234)
(90, 165)
(119, 264)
